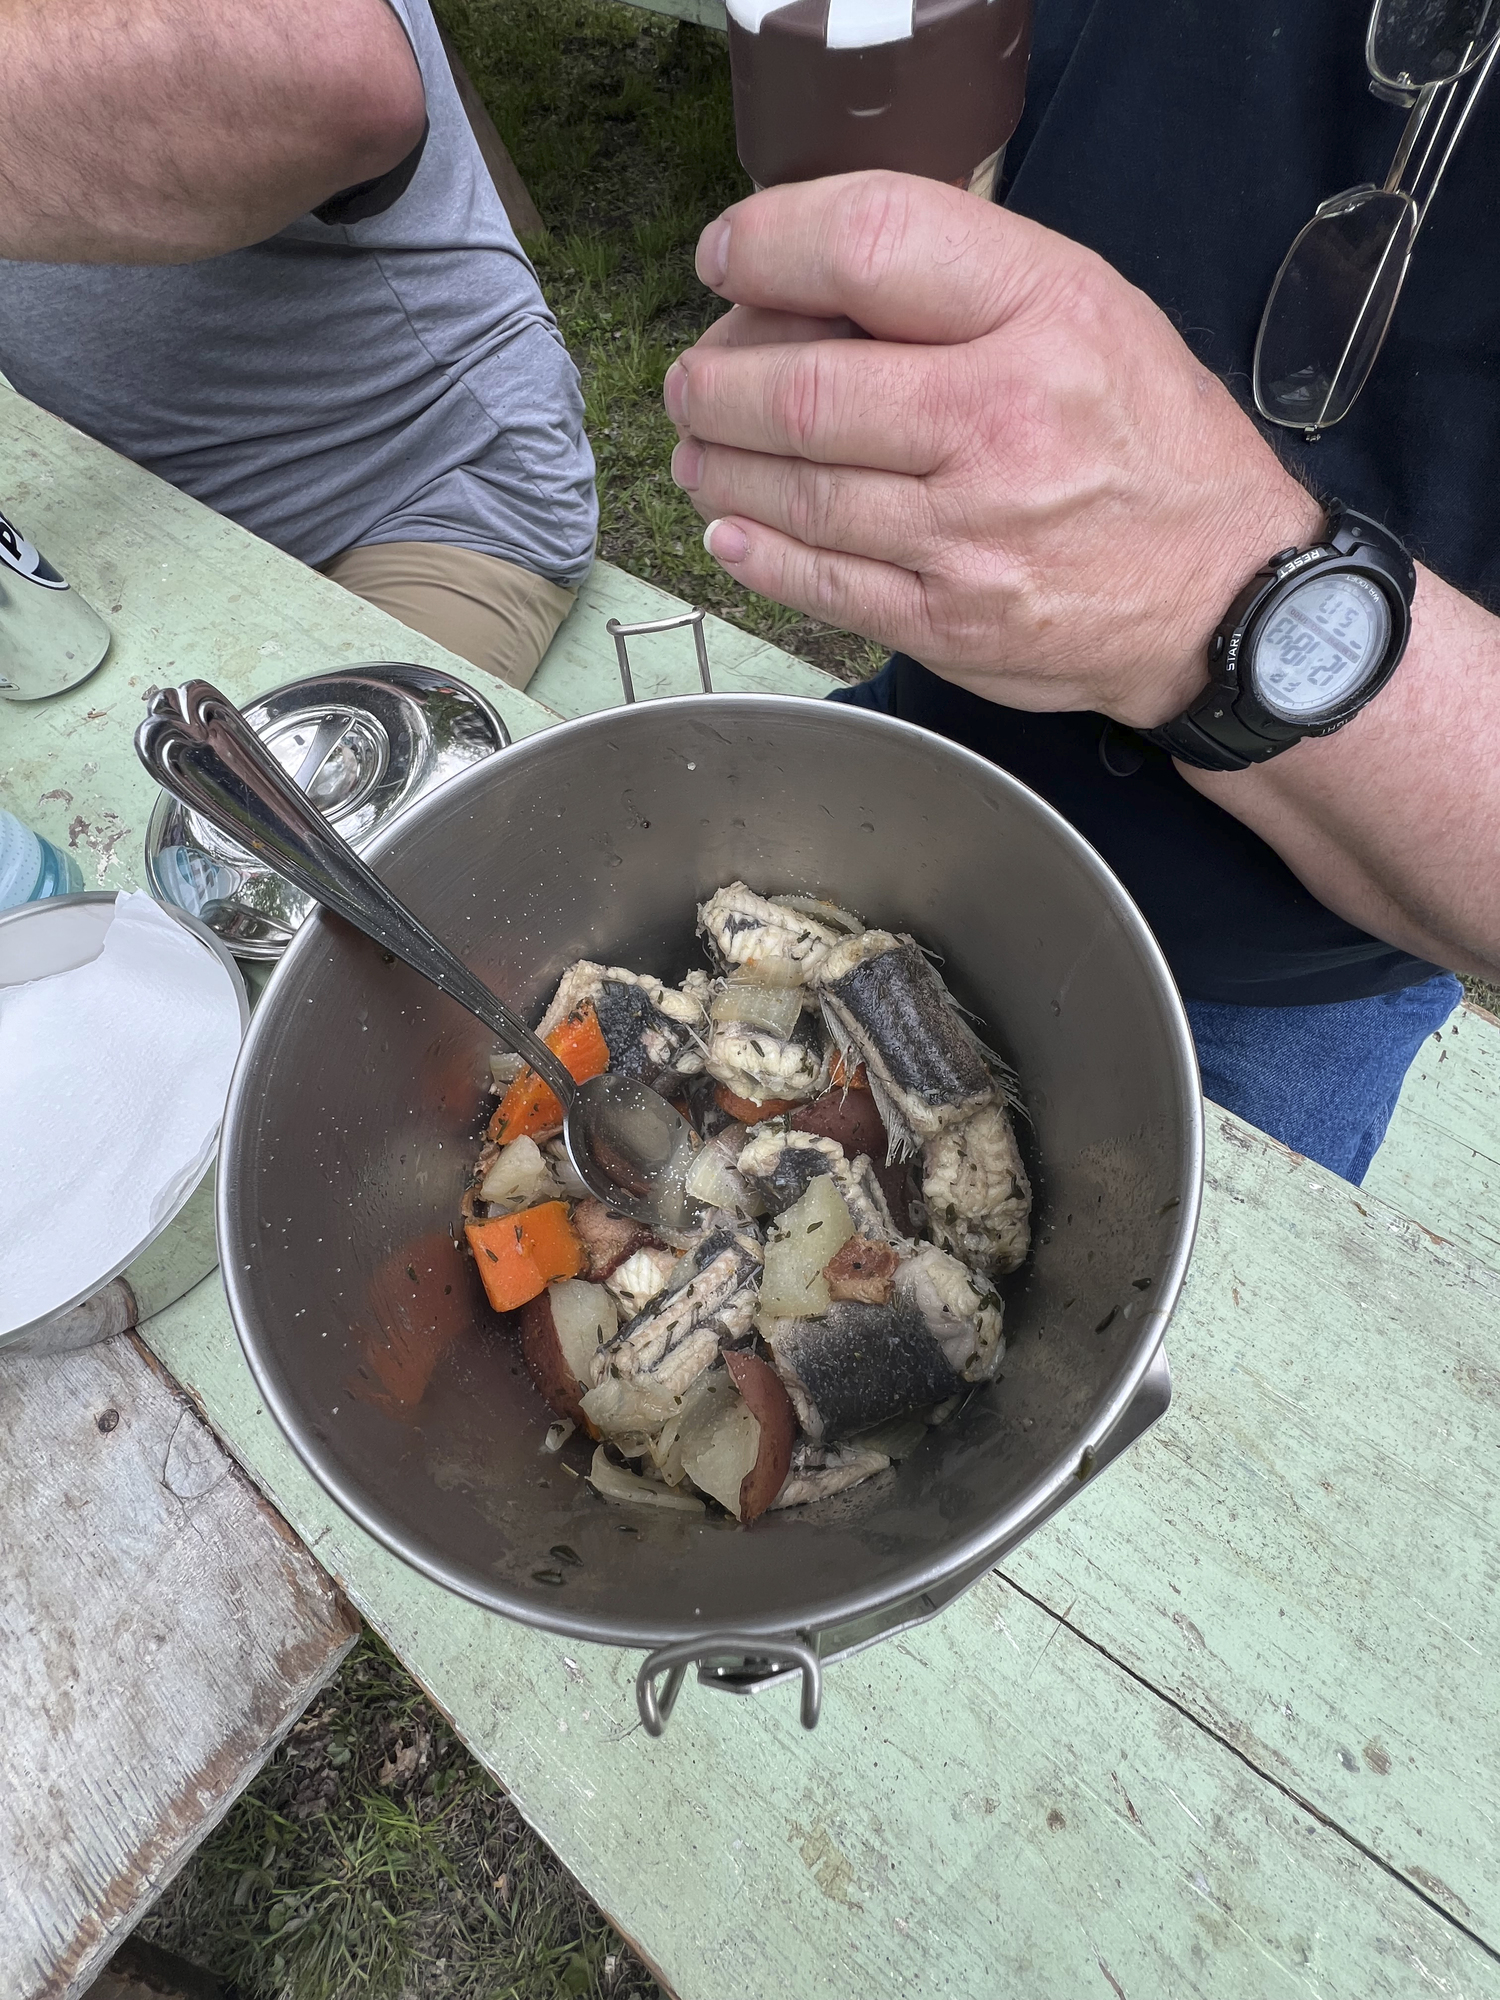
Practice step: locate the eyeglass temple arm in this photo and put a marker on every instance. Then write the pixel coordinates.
(1432, 131)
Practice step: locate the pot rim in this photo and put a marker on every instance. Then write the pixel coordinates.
(87, 897)
(921, 1574)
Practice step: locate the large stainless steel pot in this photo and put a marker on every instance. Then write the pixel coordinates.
(360, 1098)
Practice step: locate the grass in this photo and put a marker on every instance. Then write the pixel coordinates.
(374, 1858)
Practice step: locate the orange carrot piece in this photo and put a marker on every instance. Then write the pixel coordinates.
(747, 1111)
(520, 1255)
(529, 1108)
(843, 1079)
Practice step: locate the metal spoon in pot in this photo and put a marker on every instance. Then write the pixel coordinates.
(626, 1143)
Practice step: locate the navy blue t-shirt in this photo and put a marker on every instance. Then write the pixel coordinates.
(1187, 142)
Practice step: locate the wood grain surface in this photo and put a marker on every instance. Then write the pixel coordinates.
(1441, 1159)
(1122, 1769)
(160, 1629)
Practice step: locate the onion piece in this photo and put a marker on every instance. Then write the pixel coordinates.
(714, 1182)
(775, 1009)
(622, 1409)
(613, 1482)
(520, 1177)
(558, 1434)
(806, 1236)
(505, 1067)
(719, 1440)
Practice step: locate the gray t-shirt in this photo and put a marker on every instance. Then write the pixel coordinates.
(393, 379)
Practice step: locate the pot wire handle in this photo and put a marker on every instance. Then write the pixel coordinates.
(769, 1657)
(620, 633)
(199, 747)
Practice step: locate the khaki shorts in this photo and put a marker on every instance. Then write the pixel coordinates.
(492, 613)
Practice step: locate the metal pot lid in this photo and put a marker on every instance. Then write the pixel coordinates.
(364, 744)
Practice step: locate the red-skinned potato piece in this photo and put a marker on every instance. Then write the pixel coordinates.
(771, 1406)
(607, 1239)
(850, 1117)
(862, 1272)
(545, 1361)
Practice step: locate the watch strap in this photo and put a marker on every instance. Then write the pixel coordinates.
(1210, 734)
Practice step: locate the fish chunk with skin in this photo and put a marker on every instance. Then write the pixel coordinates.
(976, 1193)
(782, 946)
(709, 1300)
(652, 1030)
(820, 1470)
(963, 1315)
(783, 1165)
(886, 1007)
(856, 1365)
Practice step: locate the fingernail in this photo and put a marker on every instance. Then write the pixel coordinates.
(674, 393)
(687, 464)
(713, 252)
(726, 543)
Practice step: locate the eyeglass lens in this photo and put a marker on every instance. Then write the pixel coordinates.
(1412, 43)
(1330, 306)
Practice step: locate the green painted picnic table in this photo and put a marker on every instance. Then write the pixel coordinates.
(1226, 1726)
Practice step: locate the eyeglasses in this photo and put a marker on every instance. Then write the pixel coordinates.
(1332, 302)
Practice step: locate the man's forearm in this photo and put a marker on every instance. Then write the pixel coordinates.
(1395, 821)
(162, 131)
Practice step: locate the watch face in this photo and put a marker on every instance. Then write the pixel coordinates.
(1319, 646)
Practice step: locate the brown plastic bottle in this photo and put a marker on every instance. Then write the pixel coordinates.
(930, 87)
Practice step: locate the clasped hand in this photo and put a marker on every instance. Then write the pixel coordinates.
(962, 435)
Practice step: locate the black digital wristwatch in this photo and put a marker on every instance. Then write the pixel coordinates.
(1314, 635)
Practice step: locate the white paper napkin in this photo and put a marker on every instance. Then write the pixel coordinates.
(112, 1085)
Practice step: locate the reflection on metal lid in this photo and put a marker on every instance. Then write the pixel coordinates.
(364, 744)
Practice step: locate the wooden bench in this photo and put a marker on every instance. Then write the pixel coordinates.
(1226, 1726)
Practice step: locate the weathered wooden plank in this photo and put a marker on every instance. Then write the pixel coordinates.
(1441, 1159)
(906, 1846)
(579, 675)
(1304, 1551)
(160, 1628)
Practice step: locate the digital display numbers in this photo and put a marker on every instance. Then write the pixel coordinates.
(1322, 644)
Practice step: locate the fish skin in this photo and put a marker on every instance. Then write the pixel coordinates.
(651, 1030)
(858, 1365)
(885, 1005)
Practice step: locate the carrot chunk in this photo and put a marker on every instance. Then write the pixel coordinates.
(747, 1111)
(529, 1108)
(843, 1078)
(520, 1255)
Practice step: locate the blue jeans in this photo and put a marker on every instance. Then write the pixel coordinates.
(1323, 1080)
